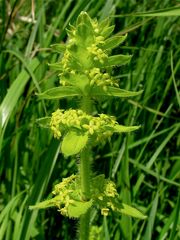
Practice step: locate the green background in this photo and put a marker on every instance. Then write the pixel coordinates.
(145, 165)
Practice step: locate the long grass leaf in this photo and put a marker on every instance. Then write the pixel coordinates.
(154, 157)
(40, 185)
(26, 65)
(167, 12)
(176, 219)
(174, 81)
(11, 98)
(151, 218)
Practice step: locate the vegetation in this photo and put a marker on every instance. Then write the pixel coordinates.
(144, 165)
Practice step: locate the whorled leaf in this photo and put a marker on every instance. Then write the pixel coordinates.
(73, 143)
(117, 60)
(113, 42)
(84, 18)
(60, 92)
(42, 205)
(77, 208)
(121, 128)
(56, 66)
(113, 91)
(107, 31)
(130, 211)
(84, 34)
(59, 47)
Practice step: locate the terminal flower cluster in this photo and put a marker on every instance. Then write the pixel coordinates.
(84, 55)
(85, 44)
(62, 121)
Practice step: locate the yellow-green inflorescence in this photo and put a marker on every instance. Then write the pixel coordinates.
(84, 55)
(100, 126)
(64, 190)
(68, 197)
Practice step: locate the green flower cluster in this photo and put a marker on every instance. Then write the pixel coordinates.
(62, 121)
(64, 192)
(68, 197)
(84, 55)
(101, 79)
(105, 194)
(85, 44)
(95, 233)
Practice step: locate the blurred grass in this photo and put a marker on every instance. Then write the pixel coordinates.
(145, 164)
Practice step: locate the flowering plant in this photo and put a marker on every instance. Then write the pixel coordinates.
(84, 72)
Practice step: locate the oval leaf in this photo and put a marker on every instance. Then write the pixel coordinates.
(113, 42)
(56, 66)
(121, 128)
(118, 60)
(42, 205)
(106, 32)
(60, 92)
(114, 92)
(133, 212)
(61, 47)
(76, 209)
(73, 143)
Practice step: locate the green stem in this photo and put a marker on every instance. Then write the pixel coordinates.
(85, 173)
(86, 104)
(84, 226)
(85, 178)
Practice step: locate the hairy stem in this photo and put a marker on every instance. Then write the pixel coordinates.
(85, 173)
(86, 104)
(85, 178)
(84, 226)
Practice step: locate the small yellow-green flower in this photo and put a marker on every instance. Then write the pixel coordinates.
(63, 121)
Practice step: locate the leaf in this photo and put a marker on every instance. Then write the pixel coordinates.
(77, 208)
(42, 205)
(73, 143)
(84, 18)
(15, 91)
(114, 92)
(106, 32)
(130, 211)
(121, 128)
(167, 12)
(60, 92)
(113, 42)
(84, 33)
(98, 183)
(152, 218)
(61, 47)
(56, 66)
(27, 66)
(44, 122)
(117, 60)
(104, 23)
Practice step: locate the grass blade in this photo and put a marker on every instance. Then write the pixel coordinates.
(167, 12)
(11, 98)
(151, 219)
